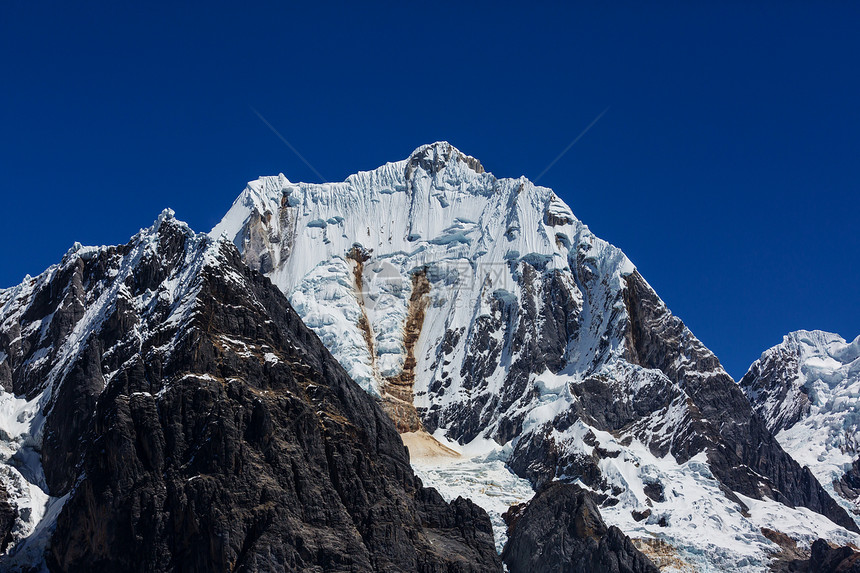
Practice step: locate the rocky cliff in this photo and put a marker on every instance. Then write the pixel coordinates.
(182, 418)
(561, 531)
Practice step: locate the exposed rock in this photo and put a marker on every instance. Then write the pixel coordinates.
(434, 157)
(397, 398)
(848, 486)
(560, 530)
(778, 398)
(789, 553)
(662, 554)
(8, 515)
(654, 490)
(823, 558)
(197, 425)
(826, 559)
(805, 390)
(640, 515)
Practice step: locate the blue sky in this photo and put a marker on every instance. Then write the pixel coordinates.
(727, 166)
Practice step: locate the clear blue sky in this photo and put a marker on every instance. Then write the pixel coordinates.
(727, 167)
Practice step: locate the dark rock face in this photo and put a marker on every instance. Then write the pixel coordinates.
(561, 531)
(848, 486)
(773, 382)
(197, 425)
(823, 559)
(683, 375)
(826, 559)
(53, 301)
(8, 515)
(742, 452)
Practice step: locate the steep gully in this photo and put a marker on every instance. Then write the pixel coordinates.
(397, 391)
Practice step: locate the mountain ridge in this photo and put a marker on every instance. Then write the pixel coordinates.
(189, 420)
(476, 309)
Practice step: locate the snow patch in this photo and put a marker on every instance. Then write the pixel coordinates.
(480, 475)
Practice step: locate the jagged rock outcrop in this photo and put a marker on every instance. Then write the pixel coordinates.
(740, 449)
(826, 559)
(195, 424)
(848, 486)
(8, 516)
(561, 531)
(823, 559)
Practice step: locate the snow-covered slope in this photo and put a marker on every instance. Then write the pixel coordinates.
(351, 254)
(478, 308)
(808, 390)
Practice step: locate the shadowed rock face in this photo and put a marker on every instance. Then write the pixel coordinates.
(8, 514)
(848, 486)
(560, 530)
(823, 559)
(826, 559)
(214, 432)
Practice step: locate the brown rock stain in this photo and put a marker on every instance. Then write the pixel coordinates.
(359, 256)
(397, 390)
(661, 554)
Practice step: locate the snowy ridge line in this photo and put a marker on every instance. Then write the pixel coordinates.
(179, 290)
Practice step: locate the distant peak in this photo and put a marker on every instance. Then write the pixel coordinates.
(165, 215)
(168, 224)
(813, 338)
(433, 157)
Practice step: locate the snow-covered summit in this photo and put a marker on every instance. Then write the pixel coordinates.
(481, 310)
(807, 389)
(436, 156)
(437, 210)
(806, 369)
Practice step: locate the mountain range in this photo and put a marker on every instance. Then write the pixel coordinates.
(240, 400)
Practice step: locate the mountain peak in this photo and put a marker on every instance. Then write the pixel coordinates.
(167, 220)
(805, 389)
(94, 352)
(433, 157)
(481, 309)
